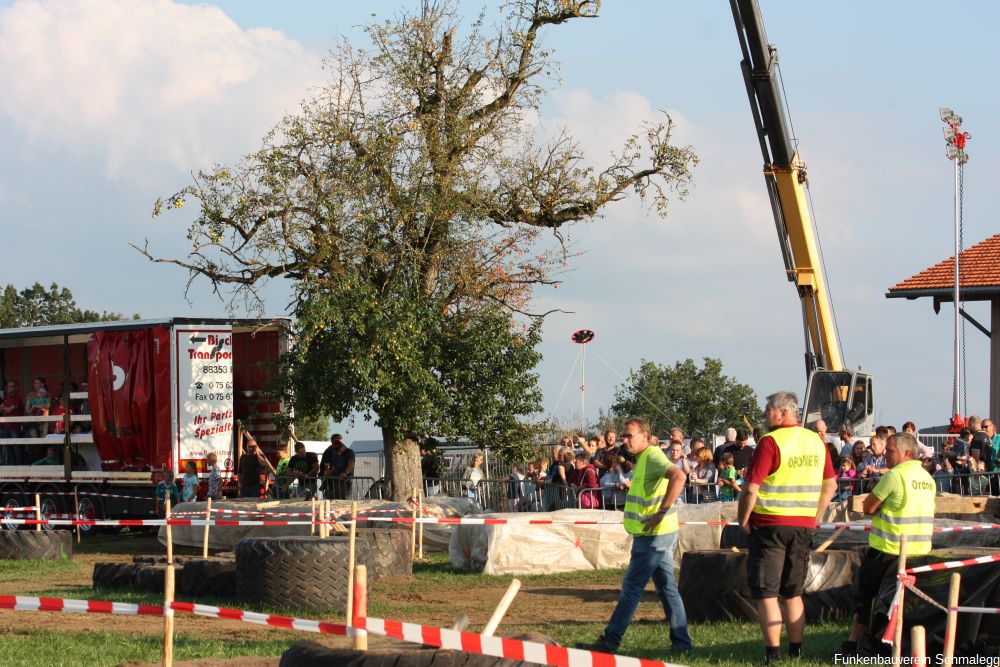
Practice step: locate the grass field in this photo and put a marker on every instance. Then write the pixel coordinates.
(53, 641)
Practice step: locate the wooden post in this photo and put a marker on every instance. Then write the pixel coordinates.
(508, 597)
(360, 607)
(325, 527)
(166, 525)
(918, 645)
(168, 615)
(76, 510)
(420, 515)
(952, 626)
(204, 538)
(413, 532)
(312, 526)
(38, 511)
(897, 642)
(350, 562)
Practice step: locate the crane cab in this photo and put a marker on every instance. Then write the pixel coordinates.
(838, 398)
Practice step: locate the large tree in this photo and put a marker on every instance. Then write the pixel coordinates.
(700, 401)
(36, 306)
(415, 208)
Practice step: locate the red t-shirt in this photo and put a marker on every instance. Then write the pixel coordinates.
(765, 460)
(16, 402)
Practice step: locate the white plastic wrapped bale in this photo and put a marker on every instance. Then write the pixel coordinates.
(521, 548)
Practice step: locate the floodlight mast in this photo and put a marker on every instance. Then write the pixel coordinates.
(955, 140)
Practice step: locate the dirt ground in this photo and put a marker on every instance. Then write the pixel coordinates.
(432, 605)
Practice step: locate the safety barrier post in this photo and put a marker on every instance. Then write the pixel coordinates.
(918, 645)
(420, 514)
(897, 642)
(38, 511)
(952, 626)
(312, 527)
(325, 527)
(360, 607)
(204, 537)
(413, 532)
(168, 614)
(166, 525)
(504, 604)
(350, 562)
(76, 509)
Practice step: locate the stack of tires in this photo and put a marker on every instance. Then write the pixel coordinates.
(311, 572)
(215, 577)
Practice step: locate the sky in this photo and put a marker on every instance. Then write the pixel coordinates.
(109, 104)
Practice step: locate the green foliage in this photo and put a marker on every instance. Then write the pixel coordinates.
(409, 203)
(414, 365)
(35, 306)
(699, 400)
(309, 427)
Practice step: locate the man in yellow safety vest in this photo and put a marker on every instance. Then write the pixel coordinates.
(651, 519)
(902, 503)
(789, 483)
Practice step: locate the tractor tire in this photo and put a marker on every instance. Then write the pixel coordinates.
(389, 552)
(36, 545)
(308, 654)
(296, 572)
(714, 587)
(214, 577)
(114, 575)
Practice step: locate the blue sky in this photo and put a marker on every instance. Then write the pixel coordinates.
(109, 104)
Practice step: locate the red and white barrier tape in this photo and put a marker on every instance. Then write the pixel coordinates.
(977, 610)
(16, 510)
(98, 494)
(953, 564)
(134, 523)
(499, 647)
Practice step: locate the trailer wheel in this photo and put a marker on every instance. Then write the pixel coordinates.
(36, 545)
(89, 511)
(13, 495)
(51, 503)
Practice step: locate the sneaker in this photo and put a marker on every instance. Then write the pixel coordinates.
(601, 646)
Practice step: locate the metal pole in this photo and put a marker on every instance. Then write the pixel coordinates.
(958, 337)
(583, 385)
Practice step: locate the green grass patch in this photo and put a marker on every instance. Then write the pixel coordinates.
(436, 568)
(37, 570)
(98, 649)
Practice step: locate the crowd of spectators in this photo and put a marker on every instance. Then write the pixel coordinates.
(37, 403)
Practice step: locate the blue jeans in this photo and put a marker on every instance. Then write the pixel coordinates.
(652, 557)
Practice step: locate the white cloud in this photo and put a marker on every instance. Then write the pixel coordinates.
(145, 84)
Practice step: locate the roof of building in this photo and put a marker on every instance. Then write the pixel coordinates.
(979, 276)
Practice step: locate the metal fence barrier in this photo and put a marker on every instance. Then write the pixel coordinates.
(352, 488)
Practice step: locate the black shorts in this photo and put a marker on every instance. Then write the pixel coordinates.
(778, 560)
(874, 566)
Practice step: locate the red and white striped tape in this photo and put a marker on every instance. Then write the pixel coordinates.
(953, 564)
(977, 610)
(98, 494)
(16, 510)
(500, 647)
(138, 523)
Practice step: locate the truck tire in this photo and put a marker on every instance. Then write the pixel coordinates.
(713, 585)
(51, 503)
(91, 508)
(114, 575)
(308, 654)
(209, 576)
(389, 552)
(14, 495)
(297, 572)
(36, 545)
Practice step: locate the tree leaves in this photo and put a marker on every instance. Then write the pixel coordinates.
(35, 306)
(700, 401)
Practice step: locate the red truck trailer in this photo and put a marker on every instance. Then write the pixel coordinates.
(144, 396)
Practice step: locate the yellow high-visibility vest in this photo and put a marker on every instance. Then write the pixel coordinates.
(914, 518)
(795, 487)
(641, 503)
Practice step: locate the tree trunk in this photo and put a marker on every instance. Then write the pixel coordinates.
(402, 457)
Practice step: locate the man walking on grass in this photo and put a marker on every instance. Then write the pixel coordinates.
(651, 519)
